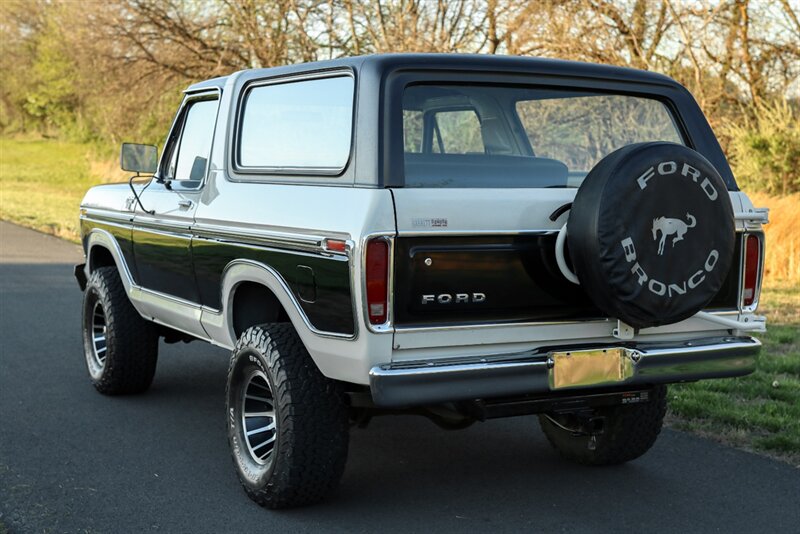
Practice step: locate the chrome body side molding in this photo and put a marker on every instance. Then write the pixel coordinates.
(107, 216)
(163, 227)
(262, 238)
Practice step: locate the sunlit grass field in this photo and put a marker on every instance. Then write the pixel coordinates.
(42, 183)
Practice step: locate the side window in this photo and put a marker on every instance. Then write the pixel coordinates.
(305, 124)
(457, 132)
(188, 155)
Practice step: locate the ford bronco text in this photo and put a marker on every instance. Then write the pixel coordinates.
(463, 237)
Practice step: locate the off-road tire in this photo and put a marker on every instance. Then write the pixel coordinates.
(131, 342)
(629, 432)
(312, 421)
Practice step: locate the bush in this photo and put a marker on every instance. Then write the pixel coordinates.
(765, 150)
(782, 256)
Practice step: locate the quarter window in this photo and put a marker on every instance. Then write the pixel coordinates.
(298, 125)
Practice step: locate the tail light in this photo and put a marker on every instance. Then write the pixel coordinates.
(752, 269)
(377, 276)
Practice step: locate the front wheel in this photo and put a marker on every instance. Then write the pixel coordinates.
(121, 348)
(627, 432)
(288, 425)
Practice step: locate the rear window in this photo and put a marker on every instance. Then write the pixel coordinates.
(305, 124)
(493, 136)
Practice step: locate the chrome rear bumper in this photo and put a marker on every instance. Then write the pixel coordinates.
(422, 383)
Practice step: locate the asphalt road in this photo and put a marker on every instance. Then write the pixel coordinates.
(72, 460)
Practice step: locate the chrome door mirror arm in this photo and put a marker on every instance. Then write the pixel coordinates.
(136, 195)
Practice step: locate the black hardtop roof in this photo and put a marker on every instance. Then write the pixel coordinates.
(459, 62)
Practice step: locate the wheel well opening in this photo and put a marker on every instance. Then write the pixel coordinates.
(101, 257)
(255, 304)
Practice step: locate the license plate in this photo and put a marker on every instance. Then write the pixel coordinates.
(581, 368)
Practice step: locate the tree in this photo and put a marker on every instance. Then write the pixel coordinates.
(765, 150)
(119, 69)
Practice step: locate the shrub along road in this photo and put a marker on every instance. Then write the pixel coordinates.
(72, 460)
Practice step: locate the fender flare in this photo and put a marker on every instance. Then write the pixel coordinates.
(219, 323)
(100, 237)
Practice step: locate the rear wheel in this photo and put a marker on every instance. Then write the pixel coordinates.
(121, 347)
(288, 424)
(628, 432)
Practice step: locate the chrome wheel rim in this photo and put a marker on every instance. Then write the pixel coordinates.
(99, 335)
(259, 424)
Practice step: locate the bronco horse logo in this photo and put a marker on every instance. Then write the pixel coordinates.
(668, 227)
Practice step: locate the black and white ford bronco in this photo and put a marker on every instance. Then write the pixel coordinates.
(462, 237)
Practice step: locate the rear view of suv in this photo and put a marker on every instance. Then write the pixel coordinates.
(463, 237)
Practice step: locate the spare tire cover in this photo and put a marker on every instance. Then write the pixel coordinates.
(651, 233)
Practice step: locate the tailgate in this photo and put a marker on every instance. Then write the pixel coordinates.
(487, 256)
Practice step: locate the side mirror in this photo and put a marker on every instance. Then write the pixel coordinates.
(141, 159)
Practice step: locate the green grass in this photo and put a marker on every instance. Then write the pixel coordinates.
(42, 183)
(761, 411)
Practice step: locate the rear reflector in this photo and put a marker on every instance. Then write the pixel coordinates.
(377, 275)
(335, 245)
(752, 256)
